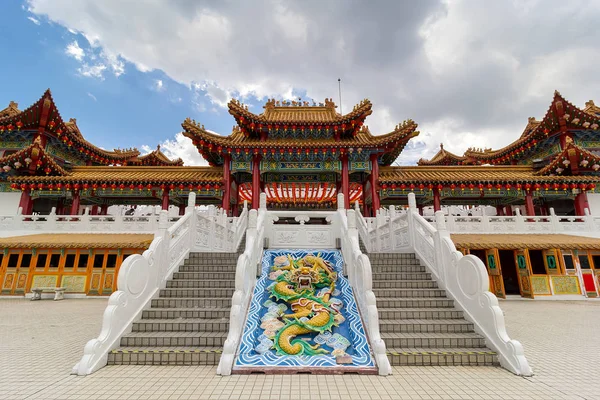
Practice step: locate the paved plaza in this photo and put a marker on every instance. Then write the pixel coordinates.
(41, 341)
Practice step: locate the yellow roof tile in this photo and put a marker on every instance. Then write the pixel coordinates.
(78, 241)
(524, 241)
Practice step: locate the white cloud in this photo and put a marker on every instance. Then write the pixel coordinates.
(92, 96)
(92, 71)
(179, 147)
(484, 66)
(75, 51)
(159, 85)
(35, 21)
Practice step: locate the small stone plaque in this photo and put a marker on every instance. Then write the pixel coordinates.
(343, 359)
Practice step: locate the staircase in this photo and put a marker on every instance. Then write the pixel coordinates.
(418, 323)
(188, 323)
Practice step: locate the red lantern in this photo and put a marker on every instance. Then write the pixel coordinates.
(527, 186)
(121, 186)
(131, 186)
(471, 186)
(181, 187)
(403, 186)
(171, 186)
(50, 186)
(592, 186)
(421, 186)
(489, 186)
(104, 186)
(394, 186)
(412, 187)
(508, 186)
(582, 186)
(452, 187)
(565, 186)
(440, 186)
(537, 187)
(76, 186)
(384, 186)
(462, 187)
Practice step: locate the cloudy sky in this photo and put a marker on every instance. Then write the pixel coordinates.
(468, 72)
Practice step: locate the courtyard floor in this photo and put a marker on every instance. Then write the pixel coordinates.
(41, 341)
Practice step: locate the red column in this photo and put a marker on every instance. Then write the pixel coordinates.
(95, 210)
(345, 181)
(26, 202)
(75, 205)
(374, 183)
(256, 182)
(500, 211)
(226, 182)
(182, 209)
(581, 203)
(437, 203)
(104, 209)
(508, 210)
(420, 207)
(165, 200)
(364, 200)
(529, 208)
(60, 206)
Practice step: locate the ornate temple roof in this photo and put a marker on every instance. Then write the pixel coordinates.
(561, 113)
(562, 163)
(11, 110)
(298, 112)
(471, 173)
(131, 174)
(155, 158)
(443, 157)
(524, 241)
(212, 145)
(35, 154)
(79, 241)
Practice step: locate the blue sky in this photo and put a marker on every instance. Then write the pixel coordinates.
(129, 110)
(468, 72)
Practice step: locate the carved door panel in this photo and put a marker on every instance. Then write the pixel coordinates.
(551, 262)
(524, 273)
(492, 262)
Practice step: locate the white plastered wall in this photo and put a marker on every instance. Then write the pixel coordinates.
(9, 202)
(594, 202)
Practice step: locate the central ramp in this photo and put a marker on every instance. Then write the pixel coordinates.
(303, 318)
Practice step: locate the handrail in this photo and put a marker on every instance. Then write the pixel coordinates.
(465, 280)
(246, 271)
(141, 277)
(360, 275)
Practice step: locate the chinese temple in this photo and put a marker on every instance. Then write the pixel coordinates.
(301, 155)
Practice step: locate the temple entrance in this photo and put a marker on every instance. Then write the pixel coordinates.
(509, 272)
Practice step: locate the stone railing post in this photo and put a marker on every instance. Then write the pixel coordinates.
(340, 201)
(451, 223)
(18, 219)
(519, 220)
(554, 221)
(589, 220)
(85, 220)
(392, 212)
(438, 237)
(411, 212)
(191, 209)
(51, 220)
(485, 223)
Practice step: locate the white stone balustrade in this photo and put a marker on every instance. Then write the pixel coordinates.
(464, 278)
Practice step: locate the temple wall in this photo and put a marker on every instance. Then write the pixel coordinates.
(9, 202)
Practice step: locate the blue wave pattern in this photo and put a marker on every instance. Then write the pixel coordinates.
(352, 328)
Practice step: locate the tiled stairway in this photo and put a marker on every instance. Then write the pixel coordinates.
(418, 323)
(188, 323)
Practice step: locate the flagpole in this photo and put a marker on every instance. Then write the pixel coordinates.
(340, 91)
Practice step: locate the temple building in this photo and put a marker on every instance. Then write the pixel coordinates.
(301, 155)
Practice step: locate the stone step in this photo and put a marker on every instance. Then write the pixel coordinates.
(401, 292)
(197, 313)
(391, 261)
(165, 356)
(413, 340)
(174, 339)
(188, 302)
(207, 268)
(204, 275)
(414, 302)
(425, 325)
(404, 284)
(378, 269)
(419, 313)
(200, 283)
(210, 261)
(393, 256)
(437, 357)
(382, 276)
(204, 292)
(181, 325)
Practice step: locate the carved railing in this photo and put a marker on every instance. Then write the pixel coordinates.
(360, 275)
(464, 279)
(247, 269)
(301, 234)
(588, 224)
(142, 276)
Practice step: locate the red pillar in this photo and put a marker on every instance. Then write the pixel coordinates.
(374, 183)
(95, 209)
(345, 181)
(420, 207)
(182, 209)
(226, 182)
(500, 211)
(581, 203)
(437, 203)
(75, 204)
(104, 209)
(26, 202)
(256, 182)
(508, 210)
(529, 208)
(165, 200)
